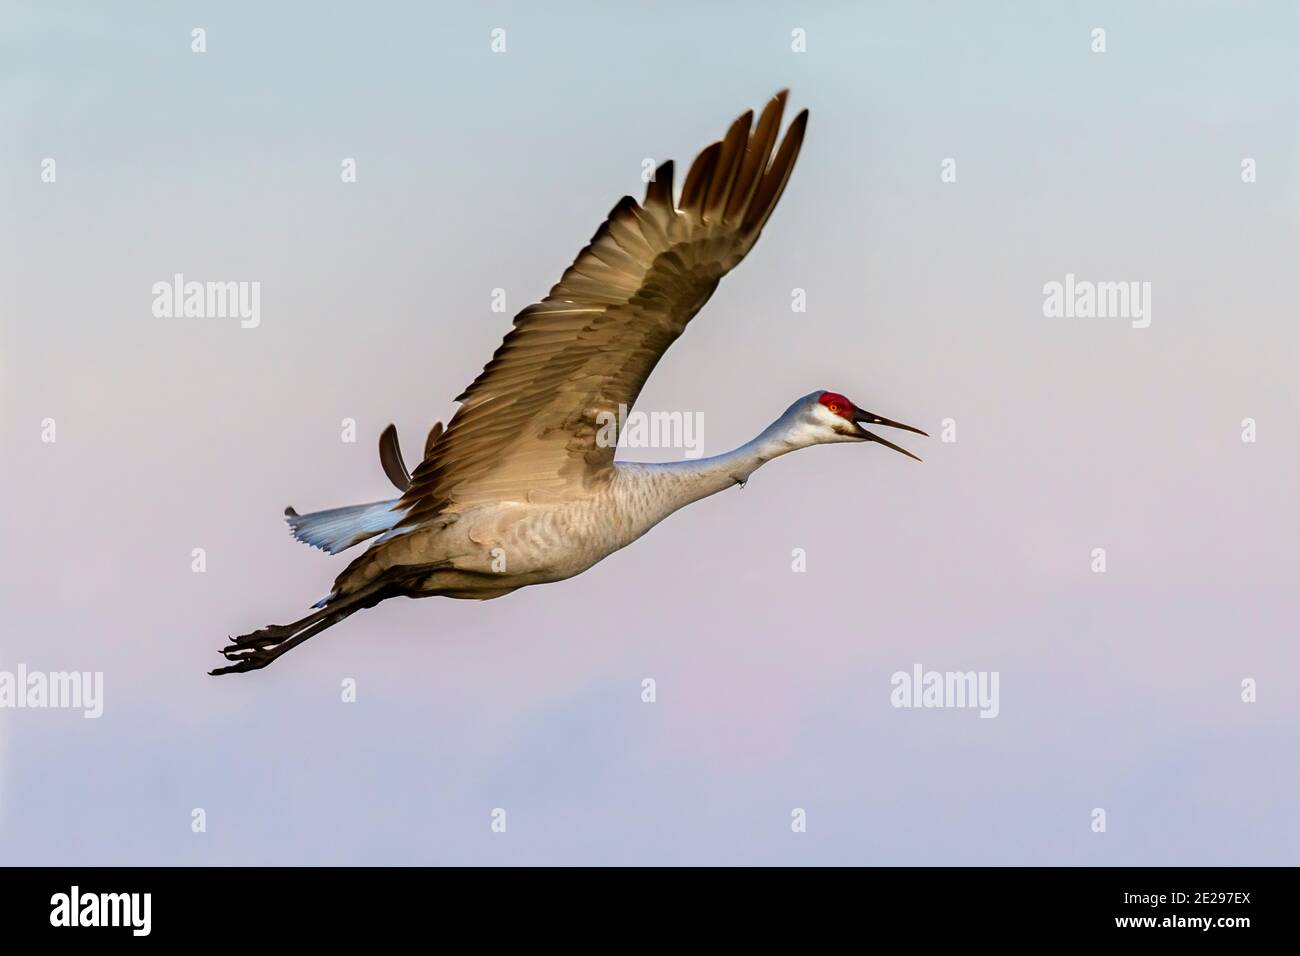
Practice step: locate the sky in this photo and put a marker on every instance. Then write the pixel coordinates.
(959, 158)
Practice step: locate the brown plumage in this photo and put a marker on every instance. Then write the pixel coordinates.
(519, 471)
(528, 424)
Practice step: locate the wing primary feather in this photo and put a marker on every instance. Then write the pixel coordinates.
(697, 180)
(757, 155)
(659, 192)
(729, 160)
(774, 180)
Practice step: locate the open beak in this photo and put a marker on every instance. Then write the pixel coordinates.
(861, 417)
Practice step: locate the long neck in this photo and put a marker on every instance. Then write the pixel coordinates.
(735, 466)
(652, 491)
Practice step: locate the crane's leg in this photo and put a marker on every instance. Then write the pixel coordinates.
(250, 652)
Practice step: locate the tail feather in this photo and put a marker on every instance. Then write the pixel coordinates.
(337, 529)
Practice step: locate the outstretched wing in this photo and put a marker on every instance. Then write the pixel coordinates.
(528, 425)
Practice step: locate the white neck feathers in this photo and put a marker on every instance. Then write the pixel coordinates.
(655, 490)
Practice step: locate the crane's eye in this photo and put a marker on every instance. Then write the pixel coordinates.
(835, 403)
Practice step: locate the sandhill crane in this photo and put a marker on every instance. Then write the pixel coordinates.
(519, 489)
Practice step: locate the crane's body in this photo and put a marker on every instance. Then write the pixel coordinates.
(520, 489)
(492, 549)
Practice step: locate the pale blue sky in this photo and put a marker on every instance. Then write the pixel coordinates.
(479, 171)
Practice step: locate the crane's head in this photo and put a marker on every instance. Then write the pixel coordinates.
(830, 417)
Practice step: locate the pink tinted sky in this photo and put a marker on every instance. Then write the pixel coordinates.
(924, 302)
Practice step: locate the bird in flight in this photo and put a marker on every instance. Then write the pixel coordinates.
(522, 487)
